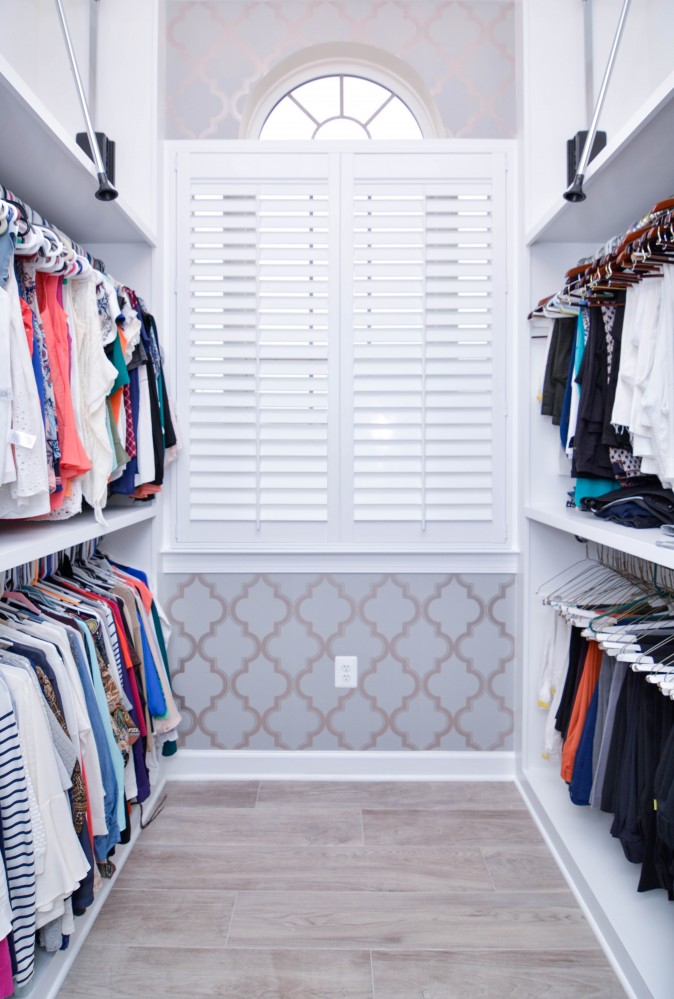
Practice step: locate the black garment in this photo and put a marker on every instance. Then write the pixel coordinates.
(660, 643)
(561, 346)
(625, 825)
(164, 436)
(634, 506)
(663, 792)
(577, 653)
(155, 416)
(170, 436)
(591, 457)
(654, 739)
(613, 317)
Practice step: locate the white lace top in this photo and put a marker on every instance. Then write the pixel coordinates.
(28, 494)
(96, 377)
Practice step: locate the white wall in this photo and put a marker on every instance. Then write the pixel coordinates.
(217, 52)
(555, 105)
(31, 40)
(126, 79)
(554, 96)
(126, 106)
(645, 57)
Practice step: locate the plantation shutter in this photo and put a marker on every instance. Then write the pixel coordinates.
(427, 433)
(258, 304)
(343, 381)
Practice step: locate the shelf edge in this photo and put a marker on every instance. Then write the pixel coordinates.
(660, 97)
(18, 90)
(27, 542)
(641, 543)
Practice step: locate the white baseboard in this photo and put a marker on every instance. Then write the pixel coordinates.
(221, 764)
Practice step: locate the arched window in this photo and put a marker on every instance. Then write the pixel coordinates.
(341, 92)
(341, 107)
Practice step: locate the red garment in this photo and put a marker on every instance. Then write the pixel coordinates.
(74, 459)
(146, 490)
(6, 980)
(581, 704)
(90, 821)
(27, 316)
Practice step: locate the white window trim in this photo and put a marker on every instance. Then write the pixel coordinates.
(489, 558)
(341, 59)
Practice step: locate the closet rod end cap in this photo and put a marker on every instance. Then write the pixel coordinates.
(105, 192)
(576, 193)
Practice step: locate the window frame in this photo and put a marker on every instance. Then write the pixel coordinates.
(341, 59)
(326, 555)
(296, 97)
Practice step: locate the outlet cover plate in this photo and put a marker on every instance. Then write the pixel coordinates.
(346, 671)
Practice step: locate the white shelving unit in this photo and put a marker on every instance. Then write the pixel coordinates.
(51, 970)
(642, 543)
(619, 181)
(43, 166)
(631, 174)
(636, 927)
(20, 543)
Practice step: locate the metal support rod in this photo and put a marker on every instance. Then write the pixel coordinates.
(588, 32)
(105, 192)
(93, 57)
(575, 192)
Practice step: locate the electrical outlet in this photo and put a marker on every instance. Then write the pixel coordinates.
(346, 671)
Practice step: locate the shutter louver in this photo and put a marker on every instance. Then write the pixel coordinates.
(422, 353)
(341, 322)
(258, 376)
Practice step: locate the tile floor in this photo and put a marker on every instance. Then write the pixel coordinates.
(286, 890)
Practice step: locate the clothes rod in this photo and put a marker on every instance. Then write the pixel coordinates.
(105, 192)
(576, 193)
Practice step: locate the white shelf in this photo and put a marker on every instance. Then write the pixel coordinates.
(21, 542)
(44, 166)
(632, 173)
(51, 969)
(638, 927)
(641, 543)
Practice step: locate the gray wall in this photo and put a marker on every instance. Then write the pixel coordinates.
(217, 52)
(253, 657)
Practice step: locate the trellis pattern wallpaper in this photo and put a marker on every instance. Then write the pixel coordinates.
(217, 51)
(253, 658)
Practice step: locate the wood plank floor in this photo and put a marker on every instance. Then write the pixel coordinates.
(288, 890)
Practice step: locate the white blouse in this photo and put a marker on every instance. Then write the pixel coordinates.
(28, 494)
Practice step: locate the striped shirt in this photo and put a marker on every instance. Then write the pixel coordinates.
(17, 840)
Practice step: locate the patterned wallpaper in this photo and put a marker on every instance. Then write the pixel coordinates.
(253, 655)
(217, 51)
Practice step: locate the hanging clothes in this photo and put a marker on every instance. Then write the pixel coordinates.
(616, 421)
(85, 703)
(615, 728)
(84, 409)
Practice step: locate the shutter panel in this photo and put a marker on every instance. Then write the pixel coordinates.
(341, 345)
(423, 367)
(258, 358)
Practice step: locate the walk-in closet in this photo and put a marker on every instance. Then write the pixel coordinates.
(336, 509)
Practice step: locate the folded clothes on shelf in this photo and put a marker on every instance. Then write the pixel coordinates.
(634, 506)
